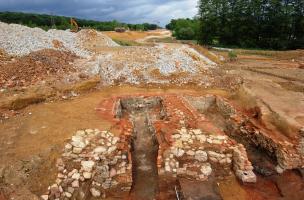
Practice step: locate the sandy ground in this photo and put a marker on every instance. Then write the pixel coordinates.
(137, 36)
(277, 82)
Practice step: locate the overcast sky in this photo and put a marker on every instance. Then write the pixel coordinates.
(131, 11)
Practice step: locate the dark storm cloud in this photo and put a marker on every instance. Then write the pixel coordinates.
(133, 11)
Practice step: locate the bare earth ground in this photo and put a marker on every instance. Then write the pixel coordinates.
(32, 136)
(138, 36)
(277, 81)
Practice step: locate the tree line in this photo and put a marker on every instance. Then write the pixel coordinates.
(47, 22)
(274, 24)
(266, 24)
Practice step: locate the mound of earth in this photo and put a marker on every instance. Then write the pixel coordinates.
(35, 67)
(92, 39)
(21, 40)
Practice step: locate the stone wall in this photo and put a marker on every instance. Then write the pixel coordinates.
(92, 163)
(193, 153)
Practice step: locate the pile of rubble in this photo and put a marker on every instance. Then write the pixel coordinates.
(35, 67)
(162, 64)
(193, 154)
(91, 38)
(185, 59)
(21, 40)
(92, 163)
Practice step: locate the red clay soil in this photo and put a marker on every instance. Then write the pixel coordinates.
(194, 119)
(271, 188)
(164, 129)
(34, 67)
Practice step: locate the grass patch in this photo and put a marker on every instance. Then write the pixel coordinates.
(194, 42)
(163, 40)
(80, 87)
(256, 52)
(285, 55)
(204, 51)
(23, 101)
(126, 42)
(232, 55)
(86, 85)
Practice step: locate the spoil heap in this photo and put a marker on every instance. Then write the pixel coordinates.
(90, 39)
(162, 64)
(21, 40)
(37, 66)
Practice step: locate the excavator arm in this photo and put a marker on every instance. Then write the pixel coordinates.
(74, 25)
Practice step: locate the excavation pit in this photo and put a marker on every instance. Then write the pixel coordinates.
(160, 141)
(144, 145)
(188, 144)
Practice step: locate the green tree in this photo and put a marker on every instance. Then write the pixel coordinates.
(186, 33)
(47, 21)
(184, 29)
(273, 24)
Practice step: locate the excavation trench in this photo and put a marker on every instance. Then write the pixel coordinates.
(142, 112)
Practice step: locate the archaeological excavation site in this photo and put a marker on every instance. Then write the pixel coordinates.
(83, 117)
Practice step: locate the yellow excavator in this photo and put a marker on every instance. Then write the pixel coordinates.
(74, 25)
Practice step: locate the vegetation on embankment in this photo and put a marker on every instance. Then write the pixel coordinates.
(122, 42)
(46, 22)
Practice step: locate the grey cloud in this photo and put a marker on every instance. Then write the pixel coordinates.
(130, 11)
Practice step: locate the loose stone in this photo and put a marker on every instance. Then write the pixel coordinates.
(76, 176)
(87, 175)
(206, 169)
(44, 197)
(75, 184)
(201, 156)
(100, 149)
(87, 165)
(77, 150)
(95, 192)
(68, 195)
